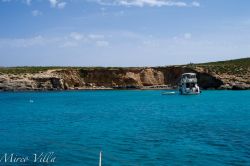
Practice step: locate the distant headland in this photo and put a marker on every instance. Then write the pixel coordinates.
(231, 74)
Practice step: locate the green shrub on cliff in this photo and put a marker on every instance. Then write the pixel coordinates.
(237, 66)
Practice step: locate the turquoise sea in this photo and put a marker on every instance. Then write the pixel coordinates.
(131, 128)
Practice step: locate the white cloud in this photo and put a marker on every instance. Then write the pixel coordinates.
(23, 42)
(57, 4)
(61, 5)
(76, 36)
(69, 44)
(80, 39)
(36, 13)
(95, 36)
(150, 3)
(28, 2)
(73, 39)
(102, 43)
(187, 35)
(195, 4)
(143, 49)
(53, 3)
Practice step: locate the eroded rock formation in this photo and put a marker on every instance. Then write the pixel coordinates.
(117, 78)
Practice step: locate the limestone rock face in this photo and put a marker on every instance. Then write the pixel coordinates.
(69, 79)
(150, 77)
(123, 78)
(22, 82)
(101, 78)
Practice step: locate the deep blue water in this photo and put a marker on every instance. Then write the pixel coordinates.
(129, 127)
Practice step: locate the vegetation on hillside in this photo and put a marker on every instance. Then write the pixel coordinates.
(237, 66)
(38, 69)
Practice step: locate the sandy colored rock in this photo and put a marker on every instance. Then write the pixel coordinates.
(119, 78)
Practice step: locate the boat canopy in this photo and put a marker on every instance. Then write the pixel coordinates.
(192, 74)
(189, 75)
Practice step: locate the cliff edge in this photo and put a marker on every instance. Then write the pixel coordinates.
(233, 74)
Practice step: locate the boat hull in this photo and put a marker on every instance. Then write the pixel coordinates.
(183, 91)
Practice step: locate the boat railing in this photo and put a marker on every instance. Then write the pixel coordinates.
(188, 80)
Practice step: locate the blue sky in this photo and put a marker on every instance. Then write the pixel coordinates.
(122, 32)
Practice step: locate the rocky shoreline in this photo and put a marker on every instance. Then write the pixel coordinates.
(120, 78)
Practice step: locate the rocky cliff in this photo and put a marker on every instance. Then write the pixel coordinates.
(210, 76)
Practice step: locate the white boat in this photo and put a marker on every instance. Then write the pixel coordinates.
(188, 84)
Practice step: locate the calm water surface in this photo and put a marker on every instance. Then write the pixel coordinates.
(130, 127)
